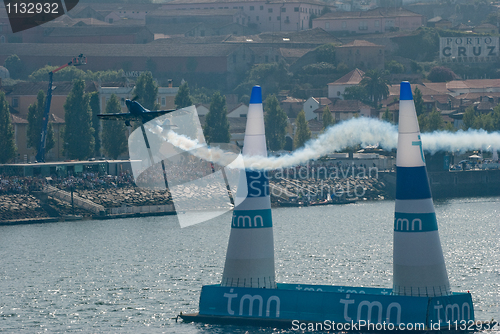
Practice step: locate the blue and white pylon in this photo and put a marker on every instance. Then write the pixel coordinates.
(250, 252)
(419, 267)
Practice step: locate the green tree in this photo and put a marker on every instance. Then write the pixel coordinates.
(15, 66)
(357, 93)
(434, 121)
(418, 99)
(66, 74)
(275, 123)
(8, 147)
(468, 118)
(326, 53)
(95, 107)
(386, 116)
(114, 133)
(302, 132)
(146, 90)
(183, 99)
(395, 67)
(216, 129)
(441, 74)
(271, 76)
(327, 118)
(35, 123)
(318, 68)
(78, 133)
(375, 85)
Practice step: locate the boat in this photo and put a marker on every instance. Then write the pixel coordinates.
(420, 298)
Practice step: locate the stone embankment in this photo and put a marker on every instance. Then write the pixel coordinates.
(29, 206)
(350, 187)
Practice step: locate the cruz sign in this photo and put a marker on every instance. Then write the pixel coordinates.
(470, 49)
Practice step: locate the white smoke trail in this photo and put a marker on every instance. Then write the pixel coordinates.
(460, 141)
(364, 131)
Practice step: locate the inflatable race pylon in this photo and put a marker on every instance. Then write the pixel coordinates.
(250, 252)
(419, 267)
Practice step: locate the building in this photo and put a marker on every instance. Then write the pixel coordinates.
(362, 54)
(337, 88)
(6, 34)
(214, 61)
(314, 103)
(292, 106)
(264, 15)
(346, 109)
(439, 22)
(377, 20)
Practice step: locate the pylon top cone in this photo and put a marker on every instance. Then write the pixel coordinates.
(250, 252)
(419, 268)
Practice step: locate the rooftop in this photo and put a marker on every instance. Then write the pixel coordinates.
(377, 12)
(352, 78)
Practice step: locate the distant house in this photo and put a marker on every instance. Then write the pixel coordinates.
(376, 20)
(86, 12)
(105, 34)
(263, 15)
(485, 28)
(337, 88)
(359, 53)
(5, 29)
(439, 22)
(292, 106)
(314, 103)
(241, 110)
(346, 109)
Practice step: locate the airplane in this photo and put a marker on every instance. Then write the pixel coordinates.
(136, 113)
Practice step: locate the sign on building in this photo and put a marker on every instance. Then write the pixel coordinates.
(468, 49)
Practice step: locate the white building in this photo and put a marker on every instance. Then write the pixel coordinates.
(337, 88)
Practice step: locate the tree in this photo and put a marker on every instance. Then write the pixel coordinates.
(418, 99)
(8, 146)
(441, 74)
(375, 85)
(96, 124)
(434, 121)
(146, 90)
(114, 138)
(386, 116)
(468, 118)
(275, 123)
(15, 66)
(326, 53)
(302, 132)
(78, 133)
(216, 129)
(182, 99)
(395, 67)
(318, 68)
(357, 93)
(35, 123)
(327, 118)
(66, 74)
(271, 76)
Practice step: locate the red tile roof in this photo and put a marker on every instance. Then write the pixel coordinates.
(352, 78)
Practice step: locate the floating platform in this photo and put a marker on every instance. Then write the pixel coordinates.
(370, 308)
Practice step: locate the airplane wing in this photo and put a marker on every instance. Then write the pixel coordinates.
(119, 116)
(147, 116)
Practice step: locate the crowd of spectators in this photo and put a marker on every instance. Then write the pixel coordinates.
(89, 181)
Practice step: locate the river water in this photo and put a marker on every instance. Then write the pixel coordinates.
(134, 275)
